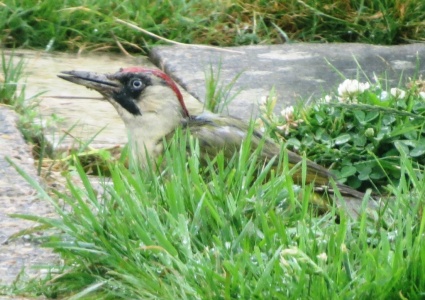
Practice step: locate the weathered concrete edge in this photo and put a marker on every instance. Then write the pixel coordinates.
(17, 196)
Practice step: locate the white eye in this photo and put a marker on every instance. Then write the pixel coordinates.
(136, 83)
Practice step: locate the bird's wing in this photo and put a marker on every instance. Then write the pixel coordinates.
(221, 133)
(216, 133)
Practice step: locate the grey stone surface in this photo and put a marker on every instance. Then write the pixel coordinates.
(18, 197)
(297, 71)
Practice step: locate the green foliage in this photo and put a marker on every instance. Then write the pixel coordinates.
(223, 232)
(359, 135)
(89, 25)
(218, 95)
(366, 21)
(9, 77)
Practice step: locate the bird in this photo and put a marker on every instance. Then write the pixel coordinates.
(152, 108)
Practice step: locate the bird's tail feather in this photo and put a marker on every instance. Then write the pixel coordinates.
(350, 200)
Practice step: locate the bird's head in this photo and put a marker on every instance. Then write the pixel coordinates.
(134, 91)
(147, 100)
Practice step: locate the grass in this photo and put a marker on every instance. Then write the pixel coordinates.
(11, 74)
(225, 232)
(218, 94)
(91, 26)
(12, 95)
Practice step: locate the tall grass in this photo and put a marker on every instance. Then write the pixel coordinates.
(226, 231)
(90, 26)
(11, 73)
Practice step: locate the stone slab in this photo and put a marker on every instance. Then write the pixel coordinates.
(78, 109)
(297, 71)
(18, 197)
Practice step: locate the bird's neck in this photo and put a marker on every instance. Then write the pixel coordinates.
(146, 136)
(146, 132)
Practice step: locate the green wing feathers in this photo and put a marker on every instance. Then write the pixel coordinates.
(217, 133)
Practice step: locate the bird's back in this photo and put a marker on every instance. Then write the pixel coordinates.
(222, 133)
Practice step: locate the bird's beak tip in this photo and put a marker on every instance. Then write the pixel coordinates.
(66, 75)
(99, 82)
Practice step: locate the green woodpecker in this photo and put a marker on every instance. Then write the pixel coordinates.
(152, 108)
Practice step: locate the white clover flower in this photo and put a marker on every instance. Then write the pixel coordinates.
(288, 113)
(284, 128)
(398, 93)
(384, 96)
(422, 95)
(326, 99)
(350, 88)
(290, 122)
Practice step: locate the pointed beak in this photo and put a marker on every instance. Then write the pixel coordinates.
(99, 82)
